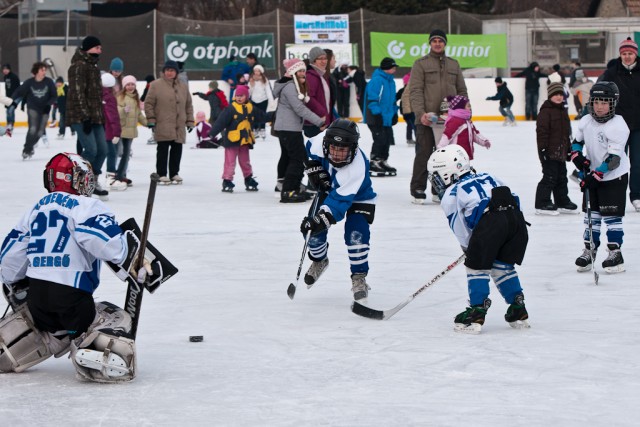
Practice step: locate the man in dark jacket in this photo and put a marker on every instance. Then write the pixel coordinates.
(532, 75)
(84, 106)
(11, 83)
(357, 76)
(625, 72)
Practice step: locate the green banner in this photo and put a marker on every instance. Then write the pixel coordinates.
(470, 50)
(201, 53)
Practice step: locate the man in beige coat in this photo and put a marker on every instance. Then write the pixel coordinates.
(169, 111)
(433, 78)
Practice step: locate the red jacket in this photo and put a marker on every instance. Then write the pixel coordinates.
(317, 99)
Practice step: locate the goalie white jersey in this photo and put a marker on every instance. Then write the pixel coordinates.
(62, 240)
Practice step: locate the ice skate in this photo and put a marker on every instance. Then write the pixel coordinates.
(390, 170)
(567, 207)
(164, 180)
(26, 155)
(377, 168)
(227, 186)
(315, 271)
(471, 320)
(636, 205)
(583, 262)
(176, 180)
(506, 122)
(262, 133)
(548, 209)
(359, 286)
(435, 199)
(115, 184)
(60, 137)
(45, 141)
(292, 197)
(151, 141)
(419, 197)
(100, 192)
(411, 142)
(250, 184)
(278, 188)
(517, 314)
(614, 263)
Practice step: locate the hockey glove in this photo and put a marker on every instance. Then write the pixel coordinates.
(591, 180)
(318, 223)
(579, 160)
(318, 176)
(87, 127)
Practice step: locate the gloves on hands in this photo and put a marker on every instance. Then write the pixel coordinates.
(115, 140)
(579, 160)
(318, 223)
(591, 180)
(189, 129)
(318, 176)
(86, 127)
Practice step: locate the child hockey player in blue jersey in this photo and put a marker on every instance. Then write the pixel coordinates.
(339, 169)
(605, 175)
(486, 219)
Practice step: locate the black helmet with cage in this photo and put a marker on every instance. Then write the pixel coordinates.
(340, 142)
(603, 91)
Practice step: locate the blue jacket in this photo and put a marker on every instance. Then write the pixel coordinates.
(380, 99)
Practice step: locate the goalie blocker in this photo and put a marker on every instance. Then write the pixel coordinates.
(157, 266)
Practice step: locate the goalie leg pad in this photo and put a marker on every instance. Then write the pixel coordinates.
(16, 293)
(21, 344)
(106, 352)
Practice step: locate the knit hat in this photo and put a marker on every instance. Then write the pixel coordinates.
(387, 64)
(293, 65)
(498, 79)
(116, 65)
(59, 80)
(89, 42)
(169, 64)
(242, 90)
(555, 88)
(128, 79)
(213, 84)
(200, 117)
(315, 53)
(457, 102)
(258, 67)
(108, 80)
(629, 45)
(579, 74)
(556, 67)
(438, 34)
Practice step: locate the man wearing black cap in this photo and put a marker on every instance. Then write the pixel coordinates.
(84, 106)
(381, 114)
(11, 83)
(433, 78)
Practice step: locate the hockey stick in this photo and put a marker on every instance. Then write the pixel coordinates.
(291, 290)
(592, 246)
(133, 300)
(365, 311)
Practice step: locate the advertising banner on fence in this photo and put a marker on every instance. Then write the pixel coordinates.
(344, 53)
(470, 50)
(213, 53)
(321, 28)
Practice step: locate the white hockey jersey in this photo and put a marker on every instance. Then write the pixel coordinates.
(465, 201)
(602, 139)
(62, 240)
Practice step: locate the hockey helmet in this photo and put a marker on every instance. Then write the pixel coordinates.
(446, 166)
(340, 142)
(607, 92)
(70, 173)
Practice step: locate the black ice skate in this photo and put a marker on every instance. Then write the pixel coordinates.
(471, 320)
(315, 271)
(419, 197)
(250, 184)
(583, 262)
(292, 197)
(227, 186)
(377, 168)
(517, 314)
(359, 286)
(614, 262)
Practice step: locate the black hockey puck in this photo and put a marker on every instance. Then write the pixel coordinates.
(196, 338)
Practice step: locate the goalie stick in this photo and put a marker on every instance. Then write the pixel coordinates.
(365, 311)
(291, 290)
(133, 300)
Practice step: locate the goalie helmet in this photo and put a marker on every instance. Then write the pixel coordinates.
(340, 142)
(70, 173)
(446, 166)
(607, 92)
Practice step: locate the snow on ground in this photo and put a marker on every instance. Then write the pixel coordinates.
(270, 361)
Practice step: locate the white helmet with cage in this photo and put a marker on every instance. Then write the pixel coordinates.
(446, 166)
